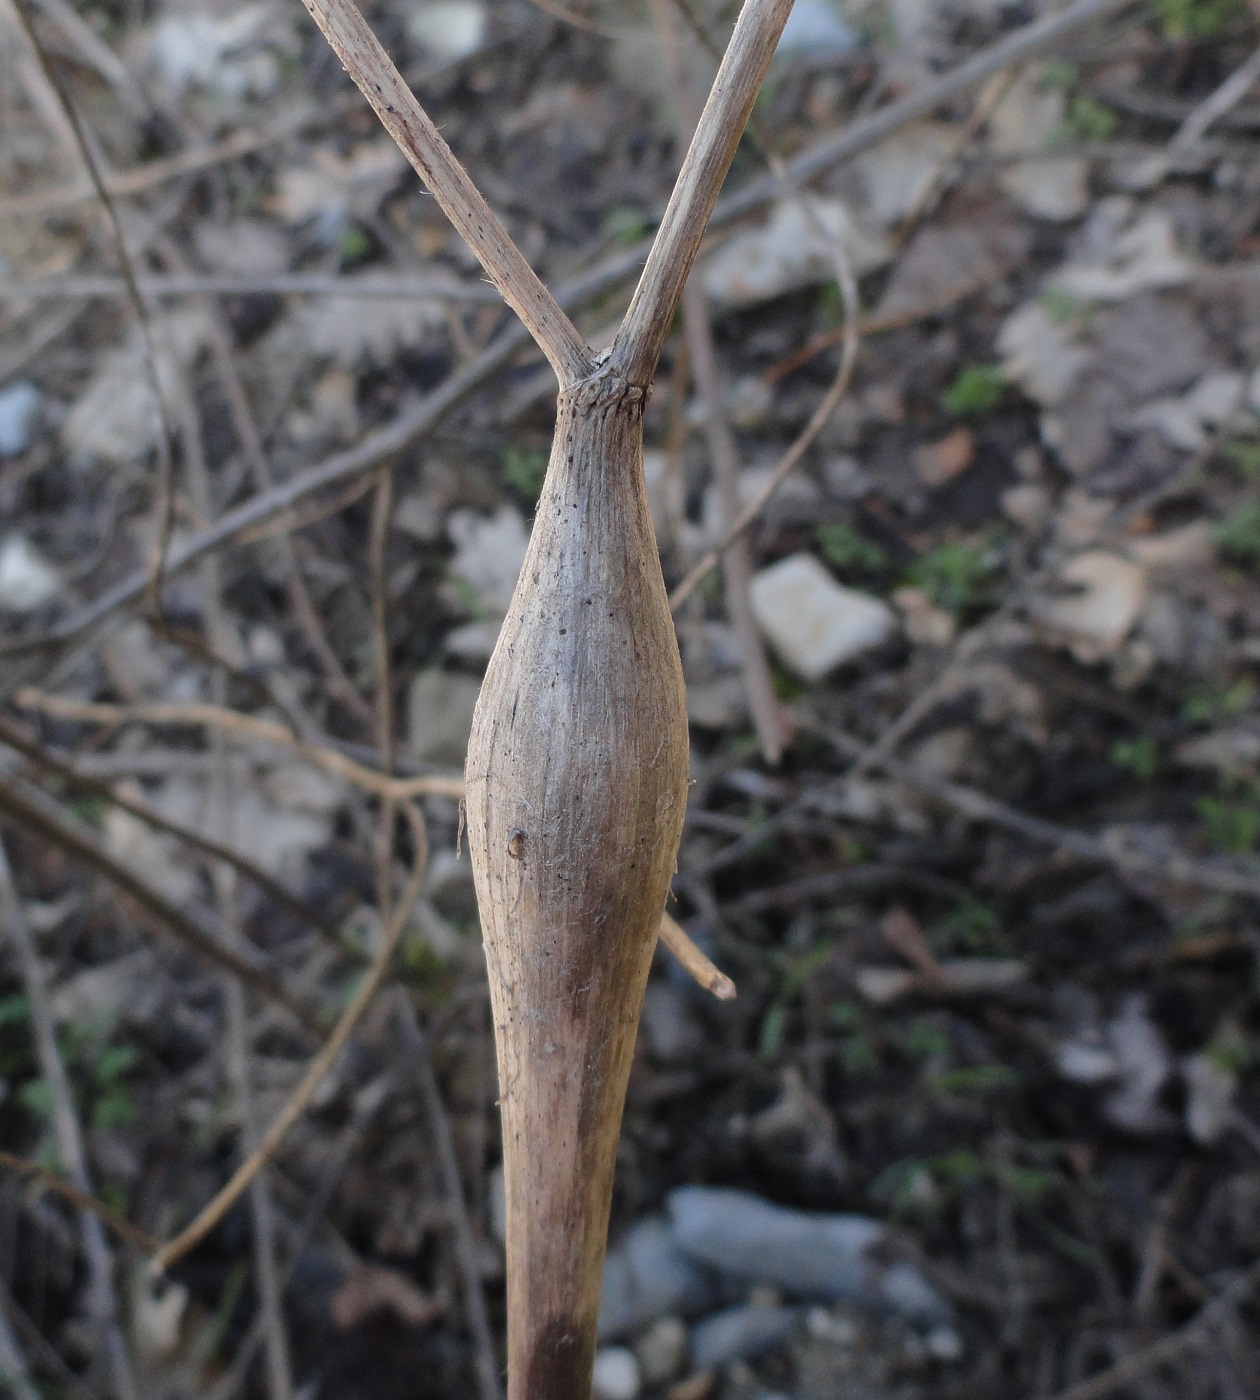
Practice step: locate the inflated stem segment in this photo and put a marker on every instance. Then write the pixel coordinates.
(577, 783)
(577, 764)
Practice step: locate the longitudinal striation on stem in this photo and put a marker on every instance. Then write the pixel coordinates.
(578, 760)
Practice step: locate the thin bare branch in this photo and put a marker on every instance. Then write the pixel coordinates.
(978, 806)
(423, 417)
(165, 437)
(15, 738)
(102, 1295)
(34, 812)
(446, 179)
(466, 1253)
(404, 286)
(647, 322)
(269, 1144)
(80, 1200)
(693, 961)
(818, 420)
(270, 731)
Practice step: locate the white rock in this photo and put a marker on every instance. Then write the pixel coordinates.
(156, 855)
(740, 1332)
(1210, 1089)
(815, 27)
(1234, 752)
(1042, 355)
(812, 622)
(819, 1257)
(646, 1276)
(1143, 1064)
(448, 29)
(439, 715)
(899, 173)
(662, 1350)
(944, 1343)
(1085, 1063)
(489, 552)
(19, 402)
(27, 579)
(1027, 120)
(103, 994)
(790, 251)
(1094, 620)
(276, 823)
(617, 1375)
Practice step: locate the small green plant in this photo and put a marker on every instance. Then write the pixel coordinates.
(956, 576)
(974, 1079)
(796, 969)
(1230, 1050)
(99, 1074)
(926, 1040)
(1196, 19)
(627, 225)
(976, 391)
(1140, 756)
(973, 927)
(859, 1054)
(1059, 75)
(524, 469)
(1088, 120)
(926, 1185)
(354, 245)
(1239, 534)
(850, 552)
(1231, 824)
(1063, 308)
(1205, 705)
(1243, 454)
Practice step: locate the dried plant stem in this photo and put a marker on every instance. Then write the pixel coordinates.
(711, 978)
(577, 762)
(446, 179)
(26, 745)
(785, 465)
(270, 731)
(32, 810)
(80, 1200)
(270, 1142)
(279, 1364)
(103, 1304)
(647, 321)
(13, 1372)
(466, 1254)
(771, 720)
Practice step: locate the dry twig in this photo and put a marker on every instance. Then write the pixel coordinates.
(209, 1217)
(103, 1304)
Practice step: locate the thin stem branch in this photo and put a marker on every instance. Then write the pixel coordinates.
(647, 322)
(446, 179)
(102, 1295)
(466, 1253)
(270, 1142)
(31, 810)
